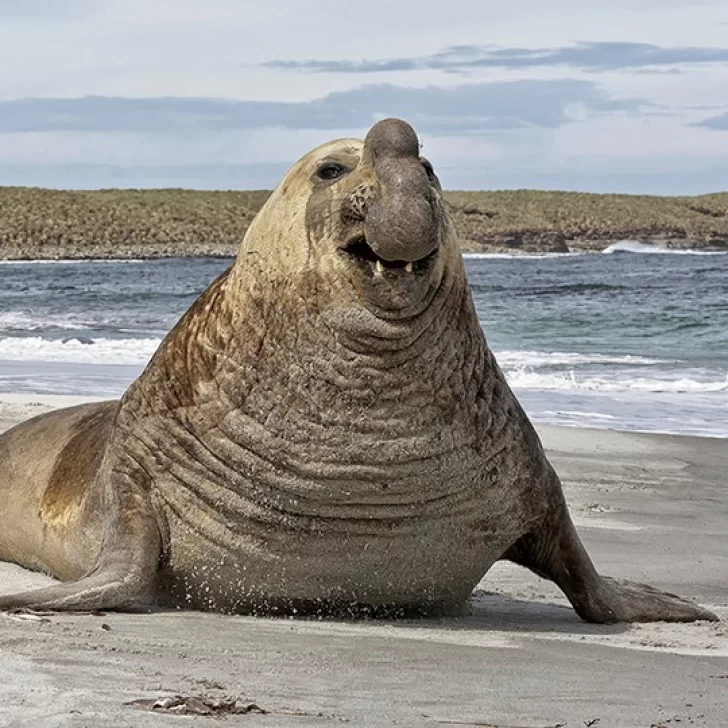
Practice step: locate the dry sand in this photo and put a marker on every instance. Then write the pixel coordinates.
(649, 507)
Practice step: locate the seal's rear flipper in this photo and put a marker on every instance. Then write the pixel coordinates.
(124, 576)
(103, 589)
(555, 552)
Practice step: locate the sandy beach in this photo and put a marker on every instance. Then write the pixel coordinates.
(650, 508)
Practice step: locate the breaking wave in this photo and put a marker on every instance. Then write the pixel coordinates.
(526, 378)
(635, 246)
(78, 350)
(530, 359)
(520, 256)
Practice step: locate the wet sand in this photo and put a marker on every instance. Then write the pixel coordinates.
(650, 508)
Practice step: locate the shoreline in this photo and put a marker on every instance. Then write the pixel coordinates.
(596, 246)
(16, 406)
(650, 508)
(149, 254)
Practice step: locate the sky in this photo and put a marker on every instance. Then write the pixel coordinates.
(600, 96)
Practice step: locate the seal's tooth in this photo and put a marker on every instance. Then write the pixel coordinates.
(379, 267)
(408, 267)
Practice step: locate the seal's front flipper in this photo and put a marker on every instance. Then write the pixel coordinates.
(555, 552)
(643, 603)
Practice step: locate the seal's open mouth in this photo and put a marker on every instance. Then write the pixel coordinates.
(359, 249)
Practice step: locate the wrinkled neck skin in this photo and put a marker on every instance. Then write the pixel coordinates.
(307, 325)
(294, 364)
(281, 334)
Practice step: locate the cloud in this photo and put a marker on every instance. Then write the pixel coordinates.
(43, 9)
(481, 174)
(599, 56)
(716, 123)
(465, 109)
(104, 176)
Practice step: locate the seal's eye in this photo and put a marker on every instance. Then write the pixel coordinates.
(331, 170)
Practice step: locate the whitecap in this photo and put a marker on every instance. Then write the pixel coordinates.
(519, 358)
(522, 377)
(520, 256)
(71, 261)
(104, 351)
(636, 246)
(22, 321)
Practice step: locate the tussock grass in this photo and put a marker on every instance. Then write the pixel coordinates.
(584, 217)
(40, 223)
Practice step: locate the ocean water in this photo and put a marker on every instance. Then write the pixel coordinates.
(629, 339)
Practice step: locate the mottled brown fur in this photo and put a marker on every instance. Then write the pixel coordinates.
(77, 465)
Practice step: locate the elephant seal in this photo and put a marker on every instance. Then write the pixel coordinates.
(324, 429)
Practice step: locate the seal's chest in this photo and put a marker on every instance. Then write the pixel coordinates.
(359, 501)
(418, 533)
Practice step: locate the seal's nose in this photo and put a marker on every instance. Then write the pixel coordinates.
(392, 137)
(401, 222)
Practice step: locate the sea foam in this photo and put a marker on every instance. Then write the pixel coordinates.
(519, 256)
(78, 350)
(526, 378)
(526, 358)
(635, 246)
(23, 321)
